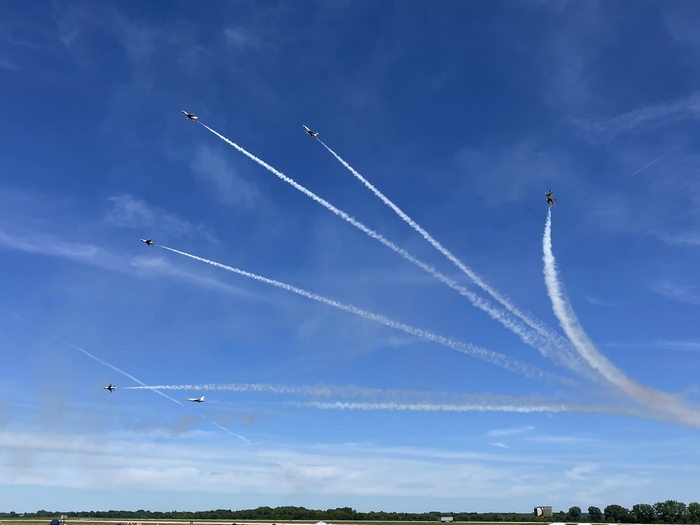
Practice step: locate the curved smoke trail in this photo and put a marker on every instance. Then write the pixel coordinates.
(667, 405)
(542, 339)
(466, 348)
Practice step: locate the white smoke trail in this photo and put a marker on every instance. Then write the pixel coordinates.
(262, 388)
(466, 348)
(118, 370)
(561, 354)
(429, 407)
(667, 405)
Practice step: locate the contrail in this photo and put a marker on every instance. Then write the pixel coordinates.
(466, 348)
(658, 158)
(560, 354)
(118, 370)
(232, 433)
(667, 405)
(563, 348)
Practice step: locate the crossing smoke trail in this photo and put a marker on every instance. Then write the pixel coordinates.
(125, 374)
(351, 392)
(543, 339)
(561, 354)
(466, 348)
(118, 370)
(409, 400)
(668, 406)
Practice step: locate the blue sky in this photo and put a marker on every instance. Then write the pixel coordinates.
(461, 113)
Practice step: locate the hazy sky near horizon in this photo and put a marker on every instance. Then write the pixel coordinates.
(463, 114)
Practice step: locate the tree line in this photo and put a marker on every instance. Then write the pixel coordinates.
(669, 511)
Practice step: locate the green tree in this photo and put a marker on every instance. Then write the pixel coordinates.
(694, 512)
(643, 513)
(617, 514)
(595, 514)
(671, 511)
(574, 514)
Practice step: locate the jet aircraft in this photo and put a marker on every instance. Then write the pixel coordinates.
(550, 199)
(312, 133)
(148, 242)
(196, 399)
(111, 387)
(190, 116)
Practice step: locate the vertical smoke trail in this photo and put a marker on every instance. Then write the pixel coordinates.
(118, 370)
(552, 337)
(672, 407)
(543, 340)
(466, 348)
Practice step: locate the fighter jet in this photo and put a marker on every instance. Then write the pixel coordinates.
(190, 116)
(312, 133)
(550, 199)
(111, 387)
(147, 242)
(196, 399)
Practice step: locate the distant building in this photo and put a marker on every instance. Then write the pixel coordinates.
(446, 519)
(543, 511)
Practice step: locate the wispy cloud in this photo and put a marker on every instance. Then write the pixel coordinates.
(677, 292)
(579, 472)
(600, 302)
(129, 212)
(681, 239)
(500, 445)
(211, 167)
(643, 119)
(510, 431)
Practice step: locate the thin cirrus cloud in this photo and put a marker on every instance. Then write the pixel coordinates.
(643, 119)
(510, 431)
(213, 169)
(677, 292)
(129, 212)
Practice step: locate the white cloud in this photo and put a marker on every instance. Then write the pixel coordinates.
(500, 445)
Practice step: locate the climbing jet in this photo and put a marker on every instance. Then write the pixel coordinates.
(147, 242)
(190, 116)
(196, 399)
(111, 387)
(550, 199)
(312, 133)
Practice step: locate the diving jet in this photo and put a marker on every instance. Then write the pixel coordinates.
(550, 200)
(312, 133)
(190, 116)
(196, 399)
(148, 242)
(111, 387)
